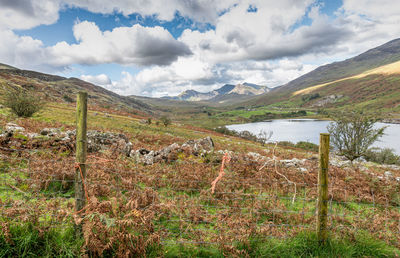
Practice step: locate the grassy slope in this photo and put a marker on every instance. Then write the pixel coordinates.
(59, 89)
(27, 241)
(382, 55)
(377, 90)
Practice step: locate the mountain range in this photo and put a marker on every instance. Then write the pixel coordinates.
(225, 93)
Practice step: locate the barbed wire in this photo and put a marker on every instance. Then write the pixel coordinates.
(260, 202)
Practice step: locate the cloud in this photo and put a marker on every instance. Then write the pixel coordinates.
(26, 14)
(270, 45)
(24, 52)
(266, 34)
(135, 45)
(204, 11)
(101, 79)
(172, 80)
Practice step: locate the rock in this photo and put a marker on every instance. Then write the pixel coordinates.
(32, 135)
(392, 167)
(388, 174)
(254, 156)
(398, 179)
(11, 127)
(292, 162)
(1, 106)
(313, 157)
(51, 132)
(303, 170)
(169, 153)
(338, 161)
(197, 146)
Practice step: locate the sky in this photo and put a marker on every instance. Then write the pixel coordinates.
(162, 47)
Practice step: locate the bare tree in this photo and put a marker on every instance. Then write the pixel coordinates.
(352, 133)
(264, 136)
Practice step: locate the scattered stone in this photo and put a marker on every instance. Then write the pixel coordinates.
(11, 127)
(388, 174)
(32, 135)
(292, 162)
(199, 146)
(254, 156)
(339, 161)
(303, 170)
(398, 179)
(51, 132)
(170, 153)
(392, 167)
(313, 157)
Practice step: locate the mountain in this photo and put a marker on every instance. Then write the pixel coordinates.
(373, 58)
(370, 80)
(223, 94)
(55, 88)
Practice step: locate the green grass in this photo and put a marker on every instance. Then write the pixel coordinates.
(304, 244)
(26, 241)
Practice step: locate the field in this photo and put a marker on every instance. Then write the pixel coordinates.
(263, 205)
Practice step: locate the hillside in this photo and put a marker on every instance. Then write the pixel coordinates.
(60, 89)
(373, 58)
(158, 191)
(370, 80)
(228, 92)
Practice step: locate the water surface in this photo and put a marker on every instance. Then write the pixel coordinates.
(296, 130)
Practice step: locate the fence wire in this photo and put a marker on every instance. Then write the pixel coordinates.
(252, 201)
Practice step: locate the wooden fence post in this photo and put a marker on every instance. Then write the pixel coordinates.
(322, 209)
(81, 152)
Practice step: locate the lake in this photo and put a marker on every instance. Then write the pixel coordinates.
(296, 130)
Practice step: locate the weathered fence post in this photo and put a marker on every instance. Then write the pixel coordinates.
(322, 209)
(81, 150)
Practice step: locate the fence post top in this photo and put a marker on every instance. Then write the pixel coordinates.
(82, 93)
(324, 134)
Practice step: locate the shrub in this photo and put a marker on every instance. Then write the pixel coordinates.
(248, 136)
(149, 120)
(225, 130)
(21, 103)
(307, 146)
(286, 144)
(352, 133)
(382, 156)
(309, 97)
(301, 145)
(165, 120)
(262, 137)
(68, 99)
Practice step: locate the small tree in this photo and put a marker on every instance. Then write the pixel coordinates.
(165, 120)
(264, 136)
(352, 133)
(22, 103)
